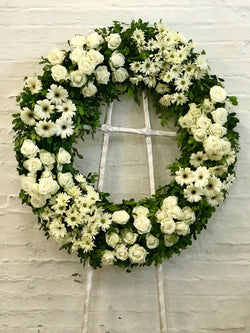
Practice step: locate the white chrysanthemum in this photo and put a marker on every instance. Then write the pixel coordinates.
(213, 186)
(184, 176)
(138, 35)
(147, 66)
(216, 199)
(34, 85)
(192, 193)
(136, 80)
(166, 100)
(62, 198)
(28, 117)
(45, 129)
(162, 88)
(64, 127)
(43, 109)
(86, 243)
(57, 229)
(196, 159)
(201, 176)
(77, 78)
(135, 66)
(68, 109)
(150, 81)
(152, 44)
(230, 157)
(201, 62)
(169, 76)
(105, 221)
(57, 94)
(180, 98)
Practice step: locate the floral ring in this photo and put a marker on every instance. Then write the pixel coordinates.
(63, 104)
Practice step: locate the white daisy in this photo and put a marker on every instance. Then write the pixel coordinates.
(197, 159)
(216, 199)
(184, 176)
(135, 66)
(86, 243)
(166, 100)
(62, 198)
(180, 98)
(213, 186)
(201, 176)
(152, 44)
(147, 67)
(57, 229)
(192, 193)
(138, 35)
(150, 81)
(162, 88)
(168, 76)
(34, 85)
(45, 129)
(57, 94)
(182, 83)
(73, 218)
(28, 117)
(43, 109)
(68, 109)
(64, 127)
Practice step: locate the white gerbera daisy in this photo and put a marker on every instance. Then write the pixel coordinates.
(197, 159)
(64, 127)
(216, 199)
(213, 186)
(43, 109)
(34, 85)
(230, 157)
(184, 176)
(45, 129)
(218, 170)
(192, 193)
(28, 117)
(68, 109)
(201, 176)
(57, 94)
(228, 182)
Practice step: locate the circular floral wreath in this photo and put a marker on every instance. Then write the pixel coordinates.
(63, 104)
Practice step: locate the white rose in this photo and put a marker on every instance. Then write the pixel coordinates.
(77, 78)
(65, 179)
(77, 41)
(194, 111)
(47, 186)
(89, 90)
(203, 122)
(108, 258)
(94, 40)
(175, 212)
(38, 201)
(102, 75)
(151, 241)
(116, 60)
(181, 228)
(27, 182)
(169, 202)
(95, 56)
(56, 56)
(120, 75)
(128, 236)
(140, 211)
(86, 66)
(170, 240)
(220, 116)
(168, 226)
(77, 54)
(112, 239)
(120, 216)
(121, 252)
(32, 189)
(47, 174)
(47, 158)
(187, 121)
(59, 72)
(114, 40)
(63, 157)
(200, 134)
(142, 224)
(33, 164)
(226, 146)
(29, 149)
(207, 106)
(217, 130)
(161, 215)
(218, 94)
(137, 254)
(213, 144)
(188, 215)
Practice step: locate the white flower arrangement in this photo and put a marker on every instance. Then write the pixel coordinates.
(56, 106)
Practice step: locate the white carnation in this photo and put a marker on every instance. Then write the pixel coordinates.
(218, 94)
(29, 149)
(56, 56)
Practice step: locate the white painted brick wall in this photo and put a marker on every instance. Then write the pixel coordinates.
(208, 286)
